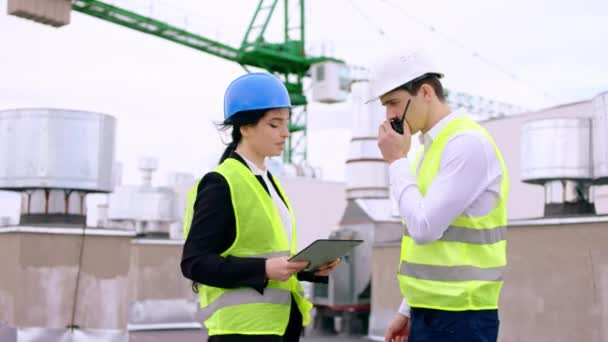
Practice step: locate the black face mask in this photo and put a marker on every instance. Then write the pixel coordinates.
(397, 124)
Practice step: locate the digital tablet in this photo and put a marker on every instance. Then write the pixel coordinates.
(324, 250)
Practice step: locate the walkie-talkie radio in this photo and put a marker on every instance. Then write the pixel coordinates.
(397, 124)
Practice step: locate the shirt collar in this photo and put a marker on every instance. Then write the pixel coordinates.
(430, 136)
(254, 168)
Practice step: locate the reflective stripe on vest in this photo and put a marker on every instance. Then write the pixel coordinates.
(471, 235)
(271, 255)
(247, 296)
(450, 273)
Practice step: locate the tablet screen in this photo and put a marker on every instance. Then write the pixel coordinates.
(324, 250)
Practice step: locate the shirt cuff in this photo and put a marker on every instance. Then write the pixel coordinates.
(404, 309)
(400, 177)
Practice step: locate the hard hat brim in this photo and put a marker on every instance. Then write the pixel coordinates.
(377, 97)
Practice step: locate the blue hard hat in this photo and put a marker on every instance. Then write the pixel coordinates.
(254, 91)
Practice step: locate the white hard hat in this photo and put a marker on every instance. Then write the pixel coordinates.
(397, 69)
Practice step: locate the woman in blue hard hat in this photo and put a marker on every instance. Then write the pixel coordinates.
(240, 229)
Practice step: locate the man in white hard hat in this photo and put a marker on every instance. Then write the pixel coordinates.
(452, 199)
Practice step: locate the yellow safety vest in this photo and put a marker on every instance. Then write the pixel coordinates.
(464, 269)
(259, 233)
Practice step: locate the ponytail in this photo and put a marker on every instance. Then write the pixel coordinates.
(244, 118)
(236, 139)
(229, 149)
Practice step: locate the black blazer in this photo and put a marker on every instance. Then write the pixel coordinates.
(213, 230)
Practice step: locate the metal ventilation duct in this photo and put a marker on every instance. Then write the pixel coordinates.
(366, 170)
(147, 209)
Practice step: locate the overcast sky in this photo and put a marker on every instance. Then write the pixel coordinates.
(166, 96)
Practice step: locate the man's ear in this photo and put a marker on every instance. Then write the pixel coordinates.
(427, 91)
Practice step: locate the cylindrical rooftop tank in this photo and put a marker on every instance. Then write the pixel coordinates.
(600, 138)
(556, 153)
(556, 149)
(56, 149)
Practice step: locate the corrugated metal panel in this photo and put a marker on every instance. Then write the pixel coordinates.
(182, 335)
(163, 312)
(173, 333)
(7, 334)
(69, 335)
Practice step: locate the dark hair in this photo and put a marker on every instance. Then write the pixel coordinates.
(236, 121)
(432, 80)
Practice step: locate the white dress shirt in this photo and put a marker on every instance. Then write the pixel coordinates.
(279, 204)
(468, 183)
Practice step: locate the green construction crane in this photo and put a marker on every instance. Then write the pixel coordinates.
(285, 59)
